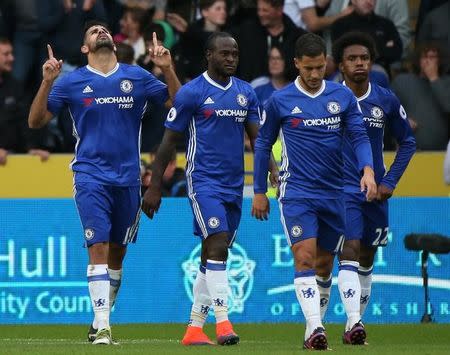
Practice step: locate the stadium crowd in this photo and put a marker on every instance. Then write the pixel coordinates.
(411, 38)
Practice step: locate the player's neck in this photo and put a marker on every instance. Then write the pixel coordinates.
(220, 79)
(102, 61)
(359, 89)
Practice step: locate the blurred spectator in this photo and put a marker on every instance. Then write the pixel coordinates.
(265, 86)
(304, 14)
(425, 94)
(435, 28)
(382, 30)
(14, 133)
(67, 40)
(425, 7)
(173, 181)
(256, 36)
(124, 53)
(33, 20)
(395, 10)
(132, 24)
(214, 17)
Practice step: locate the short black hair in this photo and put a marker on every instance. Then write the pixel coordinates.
(210, 43)
(275, 3)
(350, 39)
(92, 23)
(310, 45)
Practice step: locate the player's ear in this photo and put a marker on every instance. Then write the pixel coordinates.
(297, 63)
(341, 67)
(84, 49)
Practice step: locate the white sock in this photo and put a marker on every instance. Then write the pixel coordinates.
(350, 291)
(98, 281)
(324, 286)
(309, 298)
(202, 300)
(365, 279)
(115, 280)
(217, 283)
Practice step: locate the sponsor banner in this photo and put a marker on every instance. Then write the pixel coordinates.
(43, 267)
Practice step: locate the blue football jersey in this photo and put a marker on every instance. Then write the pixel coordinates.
(380, 107)
(213, 116)
(264, 91)
(311, 128)
(106, 110)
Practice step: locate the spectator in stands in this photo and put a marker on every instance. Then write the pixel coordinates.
(382, 30)
(14, 133)
(425, 94)
(132, 24)
(34, 20)
(173, 181)
(304, 14)
(265, 86)
(395, 10)
(213, 19)
(256, 36)
(435, 28)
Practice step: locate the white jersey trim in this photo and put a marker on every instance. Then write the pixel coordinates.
(98, 72)
(217, 85)
(300, 88)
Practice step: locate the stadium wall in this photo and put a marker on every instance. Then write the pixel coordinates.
(43, 264)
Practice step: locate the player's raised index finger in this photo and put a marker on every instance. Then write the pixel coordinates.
(50, 52)
(155, 40)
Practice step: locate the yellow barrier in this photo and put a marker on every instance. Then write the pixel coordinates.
(25, 176)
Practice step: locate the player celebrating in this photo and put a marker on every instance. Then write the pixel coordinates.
(106, 100)
(214, 109)
(311, 115)
(366, 222)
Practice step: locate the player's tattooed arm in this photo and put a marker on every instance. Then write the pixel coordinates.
(152, 197)
(252, 132)
(39, 116)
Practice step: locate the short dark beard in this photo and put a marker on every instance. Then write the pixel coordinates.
(103, 44)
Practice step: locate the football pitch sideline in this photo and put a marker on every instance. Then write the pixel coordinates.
(284, 338)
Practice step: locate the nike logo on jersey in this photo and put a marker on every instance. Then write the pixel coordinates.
(208, 101)
(296, 110)
(87, 89)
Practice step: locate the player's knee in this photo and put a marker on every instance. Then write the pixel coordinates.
(304, 259)
(367, 256)
(217, 247)
(350, 251)
(98, 253)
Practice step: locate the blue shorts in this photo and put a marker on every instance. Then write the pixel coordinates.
(108, 213)
(216, 213)
(366, 221)
(314, 218)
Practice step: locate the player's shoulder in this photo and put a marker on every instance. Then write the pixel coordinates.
(191, 91)
(284, 91)
(332, 87)
(384, 95)
(242, 84)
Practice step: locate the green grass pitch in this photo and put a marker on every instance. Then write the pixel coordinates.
(285, 338)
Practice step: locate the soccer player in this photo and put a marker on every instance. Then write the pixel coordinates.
(212, 111)
(106, 101)
(311, 115)
(366, 221)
